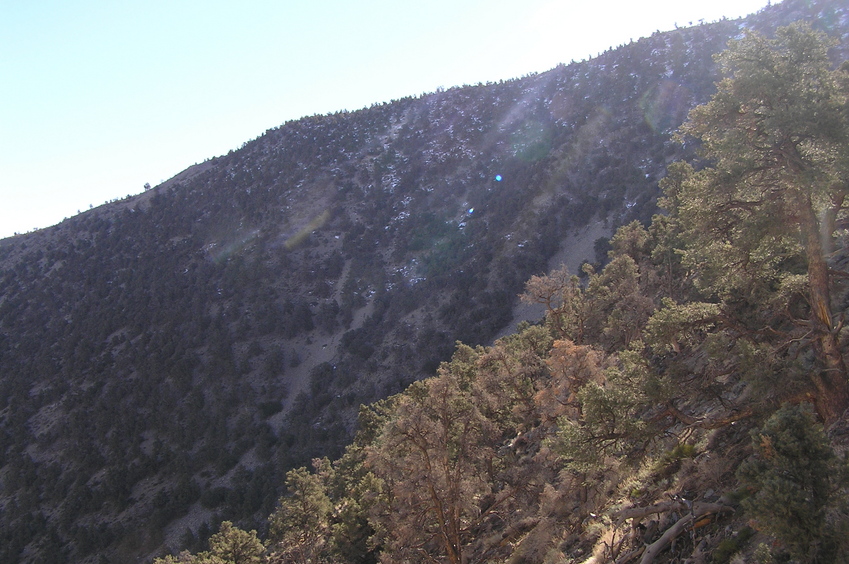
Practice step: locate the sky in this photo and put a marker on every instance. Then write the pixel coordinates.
(98, 98)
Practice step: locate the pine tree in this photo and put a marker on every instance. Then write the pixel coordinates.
(299, 528)
(793, 478)
(776, 138)
(432, 456)
(230, 545)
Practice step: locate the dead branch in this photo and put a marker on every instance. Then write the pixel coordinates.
(665, 539)
(697, 509)
(694, 511)
(707, 424)
(631, 555)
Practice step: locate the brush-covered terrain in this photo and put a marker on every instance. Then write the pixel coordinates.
(686, 403)
(173, 363)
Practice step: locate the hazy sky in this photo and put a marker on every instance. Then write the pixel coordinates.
(99, 97)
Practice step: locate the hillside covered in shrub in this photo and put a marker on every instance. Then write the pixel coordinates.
(672, 407)
(171, 361)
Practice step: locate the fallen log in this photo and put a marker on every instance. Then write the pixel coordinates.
(695, 511)
(665, 539)
(698, 508)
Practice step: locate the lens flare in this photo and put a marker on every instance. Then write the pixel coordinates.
(665, 106)
(301, 235)
(531, 140)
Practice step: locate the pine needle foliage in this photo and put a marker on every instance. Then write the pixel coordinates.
(796, 481)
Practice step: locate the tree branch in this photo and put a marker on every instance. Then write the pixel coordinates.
(696, 509)
(694, 512)
(707, 424)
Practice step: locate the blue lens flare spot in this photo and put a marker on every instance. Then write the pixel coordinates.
(498, 178)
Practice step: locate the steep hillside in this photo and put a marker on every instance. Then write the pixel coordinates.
(166, 358)
(688, 402)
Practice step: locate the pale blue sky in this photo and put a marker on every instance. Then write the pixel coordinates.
(99, 97)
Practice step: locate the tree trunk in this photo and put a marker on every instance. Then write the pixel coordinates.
(831, 382)
(829, 220)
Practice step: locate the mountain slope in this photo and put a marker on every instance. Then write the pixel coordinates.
(165, 358)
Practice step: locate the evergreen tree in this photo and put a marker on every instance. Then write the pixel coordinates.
(432, 456)
(230, 545)
(233, 545)
(299, 527)
(793, 477)
(776, 138)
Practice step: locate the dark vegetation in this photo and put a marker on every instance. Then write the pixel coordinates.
(161, 364)
(611, 433)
